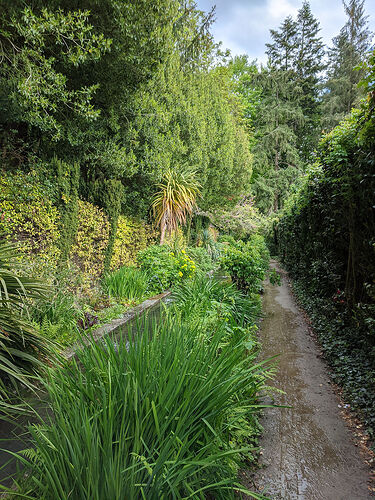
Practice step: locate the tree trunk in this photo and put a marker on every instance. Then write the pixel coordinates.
(276, 198)
(162, 230)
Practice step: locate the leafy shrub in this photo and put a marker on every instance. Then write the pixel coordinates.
(185, 265)
(127, 283)
(28, 217)
(226, 238)
(132, 236)
(165, 267)
(201, 257)
(89, 247)
(246, 263)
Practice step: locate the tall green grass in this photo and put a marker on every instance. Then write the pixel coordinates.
(148, 421)
(202, 295)
(162, 416)
(127, 283)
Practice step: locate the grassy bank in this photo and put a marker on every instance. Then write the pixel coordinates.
(161, 418)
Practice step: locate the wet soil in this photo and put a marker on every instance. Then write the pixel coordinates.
(308, 452)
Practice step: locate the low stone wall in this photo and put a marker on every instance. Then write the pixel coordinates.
(116, 324)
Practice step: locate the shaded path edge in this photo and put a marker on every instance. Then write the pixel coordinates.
(308, 452)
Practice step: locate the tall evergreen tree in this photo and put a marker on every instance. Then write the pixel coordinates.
(276, 156)
(308, 65)
(282, 52)
(348, 51)
(297, 48)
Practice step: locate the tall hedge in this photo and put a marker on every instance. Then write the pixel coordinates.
(326, 238)
(327, 235)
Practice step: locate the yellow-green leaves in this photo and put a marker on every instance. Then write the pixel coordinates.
(175, 199)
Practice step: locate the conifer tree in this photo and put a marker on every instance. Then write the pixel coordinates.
(297, 48)
(308, 65)
(276, 157)
(282, 52)
(348, 51)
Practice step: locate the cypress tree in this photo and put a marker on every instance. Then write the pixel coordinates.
(347, 52)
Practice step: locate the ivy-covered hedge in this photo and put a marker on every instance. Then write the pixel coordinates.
(326, 239)
(327, 235)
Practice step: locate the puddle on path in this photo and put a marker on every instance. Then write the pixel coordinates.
(308, 452)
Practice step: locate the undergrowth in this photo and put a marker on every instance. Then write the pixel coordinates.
(158, 417)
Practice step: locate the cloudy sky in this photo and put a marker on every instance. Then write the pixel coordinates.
(243, 25)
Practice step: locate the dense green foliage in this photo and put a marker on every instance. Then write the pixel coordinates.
(277, 159)
(288, 102)
(202, 258)
(102, 103)
(119, 119)
(246, 262)
(165, 267)
(127, 283)
(326, 239)
(158, 416)
(348, 50)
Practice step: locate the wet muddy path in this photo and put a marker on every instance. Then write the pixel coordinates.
(308, 452)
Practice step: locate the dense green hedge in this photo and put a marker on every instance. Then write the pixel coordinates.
(327, 235)
(326, 239)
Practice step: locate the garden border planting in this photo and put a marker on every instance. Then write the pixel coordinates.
(112, 327)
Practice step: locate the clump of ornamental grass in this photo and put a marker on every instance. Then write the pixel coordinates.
(127, 283)
(146, 419)
(202, 294)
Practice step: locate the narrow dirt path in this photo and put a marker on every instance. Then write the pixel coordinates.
(308, 452)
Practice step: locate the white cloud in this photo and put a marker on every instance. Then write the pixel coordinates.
(243, 25)
(279, 9)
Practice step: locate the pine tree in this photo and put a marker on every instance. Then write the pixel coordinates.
(348, 51)
(276, 157)
(282, 52)
(308, 65)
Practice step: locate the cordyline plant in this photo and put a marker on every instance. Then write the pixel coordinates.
(174, 200)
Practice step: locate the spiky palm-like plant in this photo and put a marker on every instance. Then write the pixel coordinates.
(21, 349)
(175, 199)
